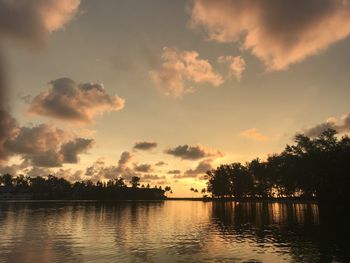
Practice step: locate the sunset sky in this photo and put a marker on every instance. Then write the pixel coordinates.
(166, 89)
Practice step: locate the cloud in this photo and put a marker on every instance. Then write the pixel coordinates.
(145, 146)
(160, 163)
(341, 126)
(279, 33)
(13, 169)
(70, 175)
(180, 70)
(254, 134)
(191, 152)
(201, 168)
(30, 23)
(174, 172)
(143, 168)
(125, 158)
(8, 130)
(152, 177)
(100, 170)
(37, 171)
(42, 145)
(72, 149)
(68, 101)
(236, 65)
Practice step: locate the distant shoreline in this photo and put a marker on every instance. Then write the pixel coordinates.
(196, 199)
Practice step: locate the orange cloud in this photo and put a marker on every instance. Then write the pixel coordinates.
(279, 33)
(254, 134)
(236, 65)
(181, 69)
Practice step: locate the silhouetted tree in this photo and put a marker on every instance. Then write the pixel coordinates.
(135, 181)
(312, 167)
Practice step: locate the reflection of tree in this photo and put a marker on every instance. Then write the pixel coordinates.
(297, 229)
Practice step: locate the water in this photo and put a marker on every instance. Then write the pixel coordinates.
(171, 231)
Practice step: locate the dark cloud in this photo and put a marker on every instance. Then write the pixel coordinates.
(70, 175)
(42, 145)
(145, 146)
(191, 152)
(279, 33)
(8, 130)
(37, 171)
(30, 23)
(69, 101)
(143, 168)
(160, 163)
(99, 170)
(174, 172)
(341, 126)
(152, 177)
(200, 169)
(72, 149)
(125, 158)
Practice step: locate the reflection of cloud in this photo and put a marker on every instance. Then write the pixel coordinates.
(181, 69)
(191, 152)
(341, 126)
(279, 33)
(254, 134)
(66, 100)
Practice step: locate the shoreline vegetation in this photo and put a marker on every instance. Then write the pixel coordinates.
(54, 188)
(314, 169)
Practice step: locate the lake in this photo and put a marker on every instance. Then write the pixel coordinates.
(172, 231)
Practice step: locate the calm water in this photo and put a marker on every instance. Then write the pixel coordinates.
(172, 231)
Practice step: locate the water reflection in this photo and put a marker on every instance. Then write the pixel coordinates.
(171, 231)
(303, 232)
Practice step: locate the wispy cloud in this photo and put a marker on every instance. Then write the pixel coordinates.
(254, 134)
(236, 66)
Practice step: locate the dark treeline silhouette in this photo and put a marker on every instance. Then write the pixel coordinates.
(54, 188)
(312, 168)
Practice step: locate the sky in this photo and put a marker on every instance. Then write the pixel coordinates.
(164, 89)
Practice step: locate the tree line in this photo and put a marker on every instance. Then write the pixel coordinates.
(54, 188)
(313, 167)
